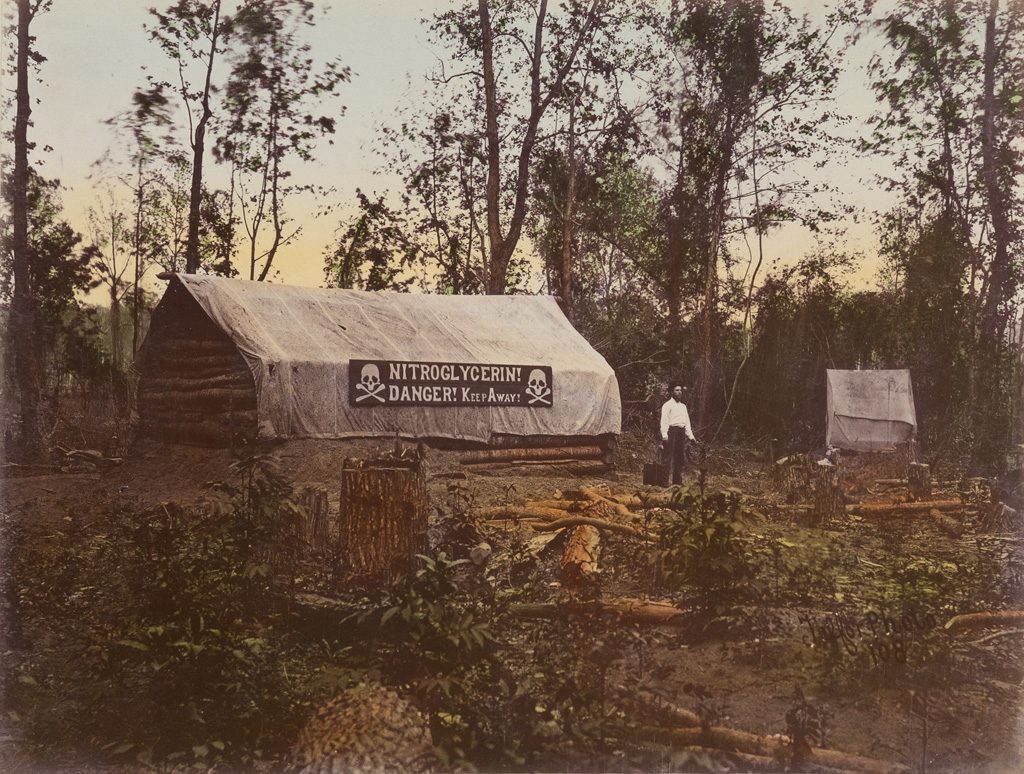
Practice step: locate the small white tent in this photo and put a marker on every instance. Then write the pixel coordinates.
(325, 363)
(870, 410)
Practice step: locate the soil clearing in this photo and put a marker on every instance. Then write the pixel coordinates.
(841, 621)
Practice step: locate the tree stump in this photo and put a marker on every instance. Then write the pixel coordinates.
(919, 481)
(382, 518)
(906, 452)
(316, 524)
(829, 501)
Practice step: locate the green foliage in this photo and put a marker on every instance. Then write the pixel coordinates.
(703, 545)
(372, 249)
(174, 646)
(434, 632)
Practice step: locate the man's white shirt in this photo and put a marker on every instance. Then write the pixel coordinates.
(674, 414)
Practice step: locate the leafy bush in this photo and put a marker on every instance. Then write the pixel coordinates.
(170, 627)
(704, 547)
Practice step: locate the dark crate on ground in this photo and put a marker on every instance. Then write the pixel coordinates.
(382, 519)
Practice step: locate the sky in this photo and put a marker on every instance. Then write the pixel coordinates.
(96, 50)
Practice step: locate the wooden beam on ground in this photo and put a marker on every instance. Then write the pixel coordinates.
(652, 707)
(775, 747)
(873, 509)
(987, 618)
(625, 610)
(618, 508)
(520, 512)
(577, 521)
(579, 559)
(556, 453)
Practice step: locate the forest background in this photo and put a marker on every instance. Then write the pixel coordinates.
(656, 166)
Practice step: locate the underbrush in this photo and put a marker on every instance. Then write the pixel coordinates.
(158, 634)
(167, 636)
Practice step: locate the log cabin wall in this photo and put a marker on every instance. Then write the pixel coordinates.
(195, 386)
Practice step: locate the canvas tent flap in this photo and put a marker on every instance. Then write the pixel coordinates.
(299, 341)
(870, 410)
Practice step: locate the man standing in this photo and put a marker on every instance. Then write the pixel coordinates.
(676, 432)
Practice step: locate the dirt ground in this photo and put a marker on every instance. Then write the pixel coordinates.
(747, 671)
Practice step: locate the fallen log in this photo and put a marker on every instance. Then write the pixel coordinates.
(735, 761)
(240, 395)
(562, 505)
(550, 453)
(776, 747)
(594, 461)
(624, 610)
(594, 496)
(189, 381)
(630, 501)
(164, 363)
(577, 521)
(867, 509)
(182, 346)
(520, 512)
(650, 706)
(579, 559)
(505, 523)
(987, 618)
(164, 415)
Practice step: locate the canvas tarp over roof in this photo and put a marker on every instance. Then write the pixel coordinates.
(870, 410)
(298, 342)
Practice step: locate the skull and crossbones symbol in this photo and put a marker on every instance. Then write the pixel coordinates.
(537, 388)
(369, 384)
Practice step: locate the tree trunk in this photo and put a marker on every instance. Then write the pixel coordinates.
(496, 276)
(115, 329)
(136, 295)
(382, 520)
(1001, 285)
(919, 481)
(24, 307)
(198, 149)
(568, 215)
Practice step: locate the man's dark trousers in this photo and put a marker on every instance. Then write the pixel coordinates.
(675, 452)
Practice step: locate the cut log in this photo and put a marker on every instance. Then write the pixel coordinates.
(553, 453)
(575, 521)
(184, 347)
(617, 508)
(988, 618)
(868, 509)
(579, 560)
(625, 610)
(239, 395)
(652, 707)
(562, 505)
(382, 519)
(186, 381)
(630, 501)
(775, 746)
(730, 760)
(919, 481)
(164, 415)
(166, 362)
(520, 512)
